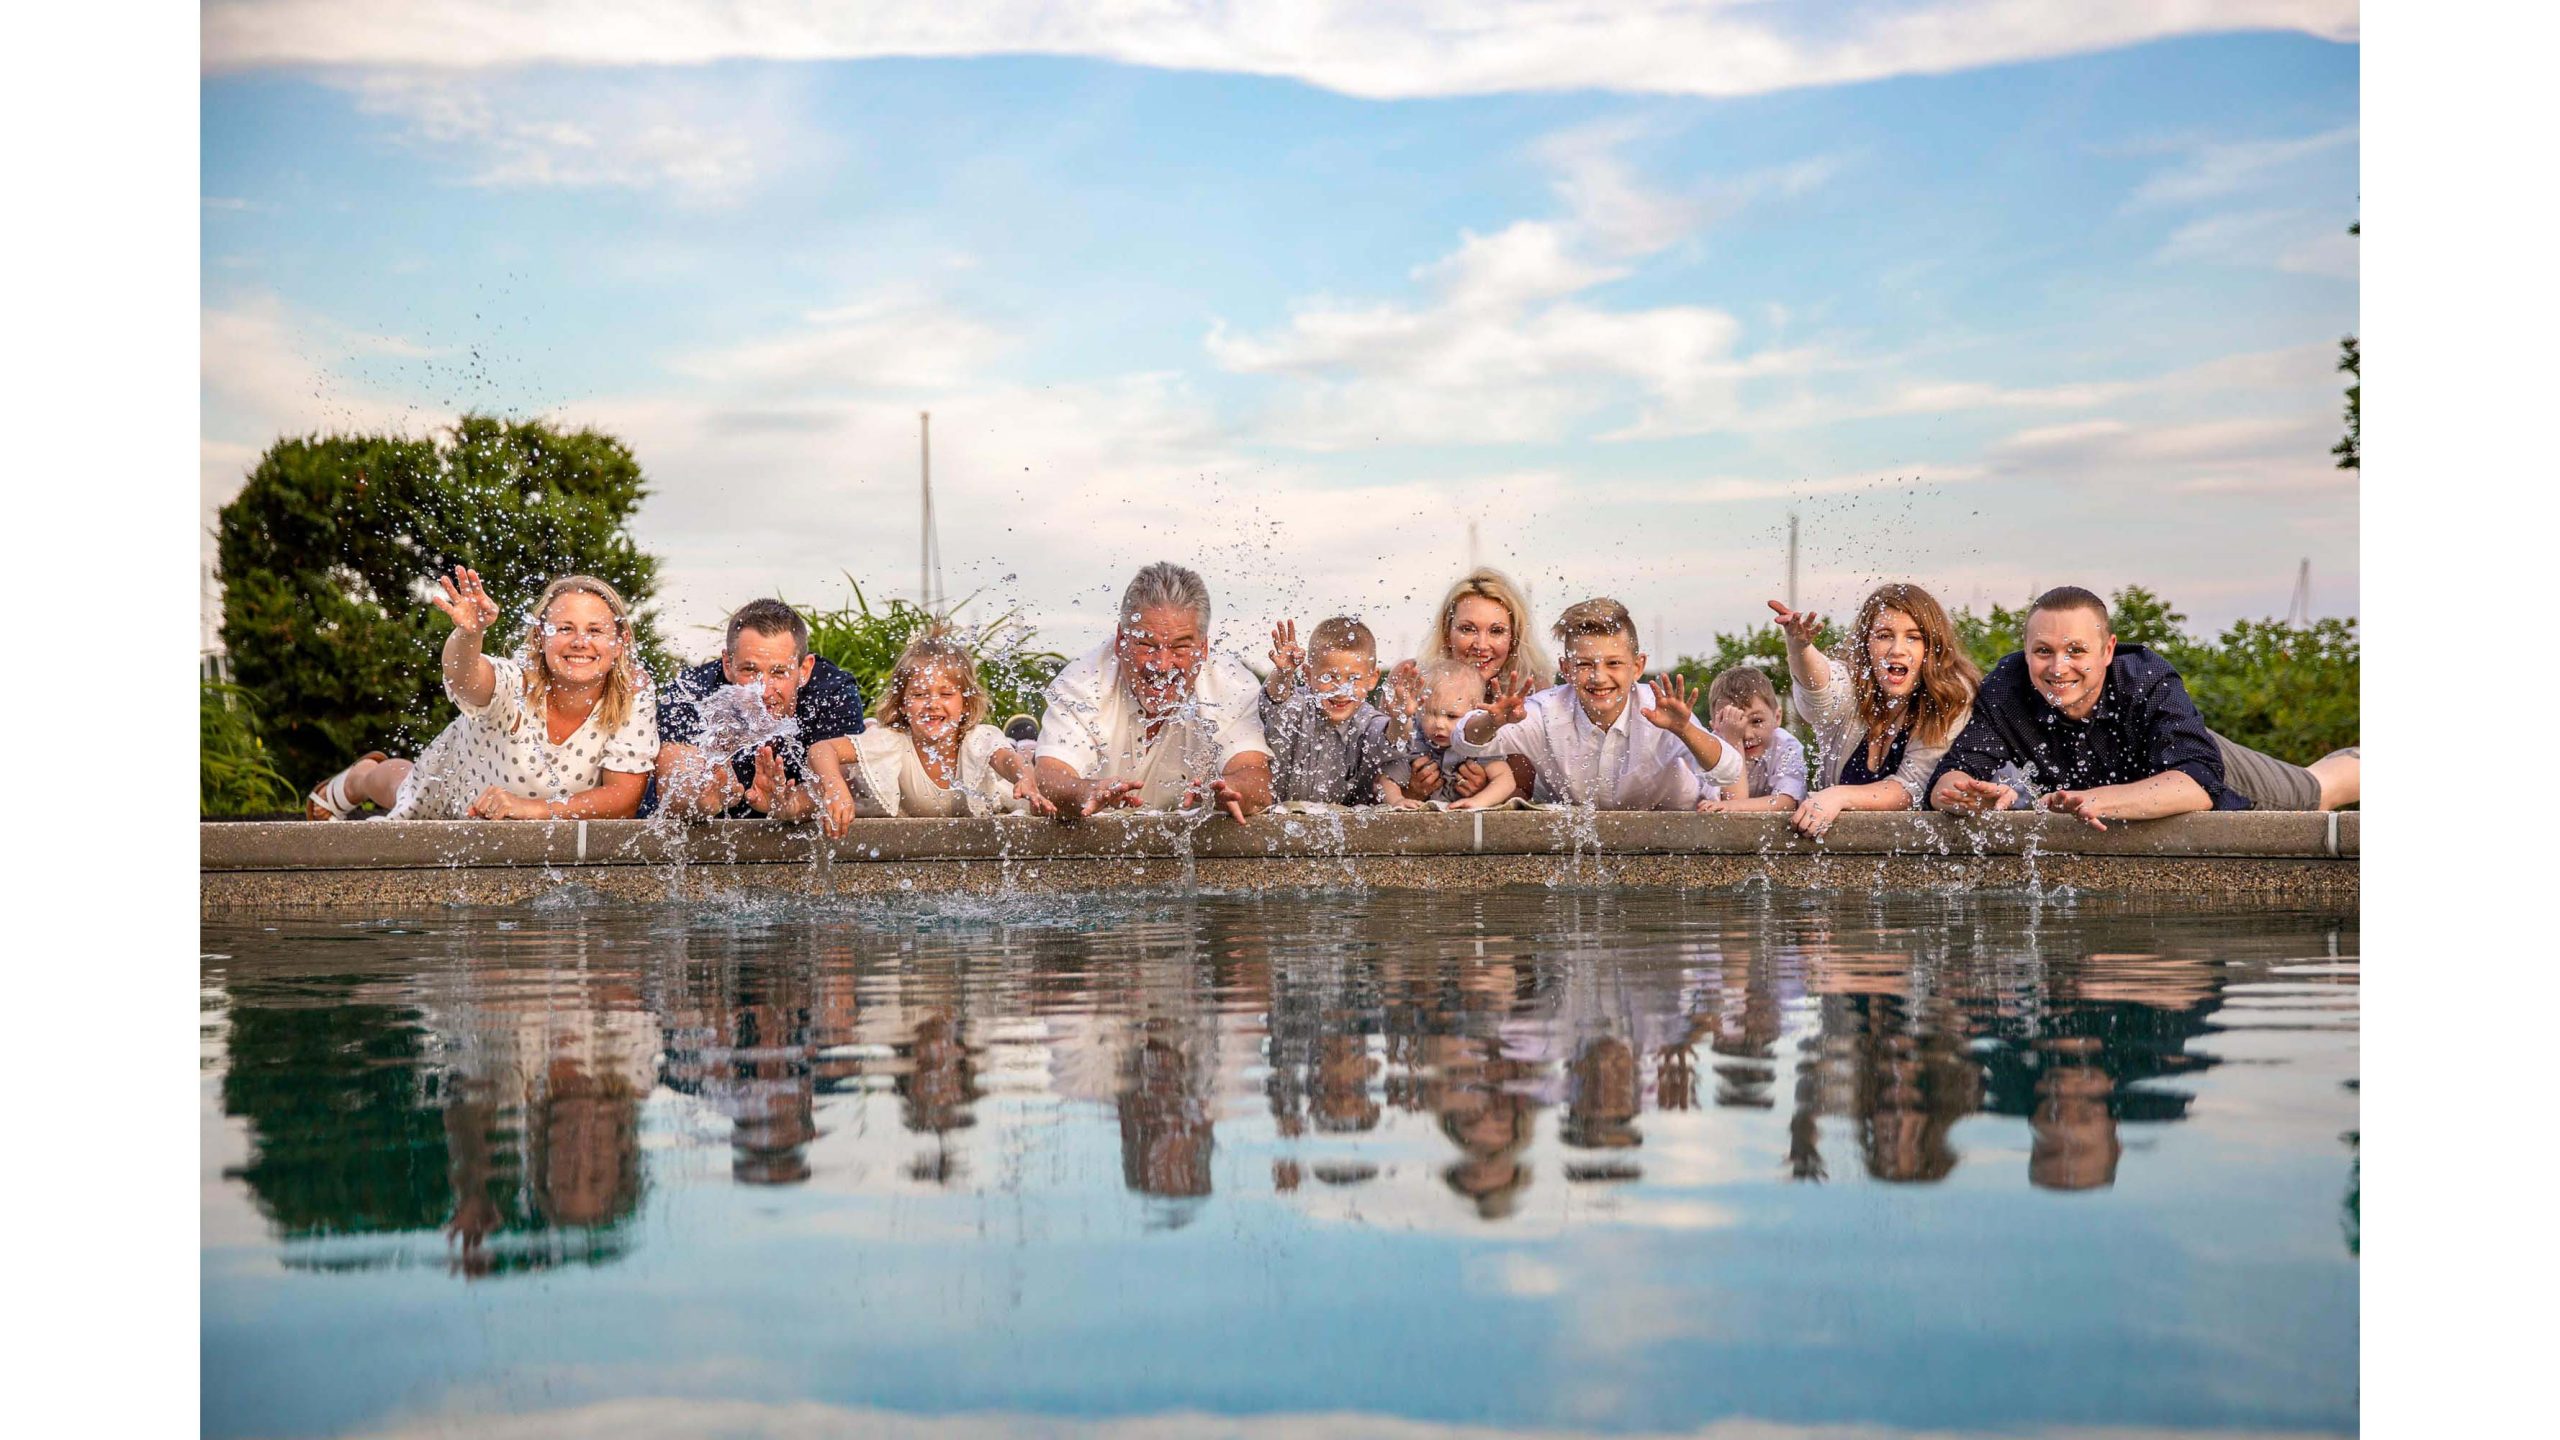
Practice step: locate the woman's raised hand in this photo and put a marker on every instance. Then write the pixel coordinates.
(465, 602)
(1803, 627)
(1674, 707)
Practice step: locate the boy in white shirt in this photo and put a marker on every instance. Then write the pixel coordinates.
(1605, 738)
(1743, 707)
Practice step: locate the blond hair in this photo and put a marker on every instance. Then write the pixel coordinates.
(1528, 657)
(621, 684)
(1340, 634)
(923, 653)
(1601, 616)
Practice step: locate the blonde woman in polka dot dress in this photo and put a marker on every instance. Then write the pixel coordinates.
(565, 730)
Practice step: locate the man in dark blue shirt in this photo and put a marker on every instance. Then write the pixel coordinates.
(767, 647)
(2106, 731)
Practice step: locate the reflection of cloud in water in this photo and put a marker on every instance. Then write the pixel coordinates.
(657, 1417)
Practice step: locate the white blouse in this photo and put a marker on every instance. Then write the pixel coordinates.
(507, 744)
(1633, 765)
(890, 777)
(1832, 711)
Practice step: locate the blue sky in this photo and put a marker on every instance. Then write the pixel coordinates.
(1994, 299)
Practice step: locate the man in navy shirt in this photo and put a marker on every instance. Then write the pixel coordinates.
(2106, 731)
(767, 647)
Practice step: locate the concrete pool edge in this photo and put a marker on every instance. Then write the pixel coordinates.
(292, 864)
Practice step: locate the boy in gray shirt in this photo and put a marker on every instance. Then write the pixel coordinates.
(1328, 743)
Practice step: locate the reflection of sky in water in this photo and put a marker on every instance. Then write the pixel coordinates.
(1521, 1159)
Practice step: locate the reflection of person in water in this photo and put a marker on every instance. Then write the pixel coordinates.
(2075, 1137)
(1600, 1110)
(1168, 1129)
(1478, 1098)
(751, 1053)
(937, 1084)
(1904, 1085)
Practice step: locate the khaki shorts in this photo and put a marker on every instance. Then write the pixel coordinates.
(2270, 783)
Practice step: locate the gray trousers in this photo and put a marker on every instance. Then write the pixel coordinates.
(2270, 783)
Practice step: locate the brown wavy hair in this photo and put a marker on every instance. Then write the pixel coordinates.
(1948, 677)
(621, 685)
(927, 650)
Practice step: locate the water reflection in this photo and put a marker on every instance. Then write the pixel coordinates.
(493, 1080)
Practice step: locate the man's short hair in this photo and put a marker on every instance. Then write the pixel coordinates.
(1341, 633)
(2072, 597)
(1603, 616)
(767, 617)
(1165, 586)
(1740, 687)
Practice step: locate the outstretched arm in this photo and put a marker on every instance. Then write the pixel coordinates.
(1243, 789)
(618, 798)
(468, 675)
(1805, 663)
(2171, 792)
(691, 787)
(1076, 797)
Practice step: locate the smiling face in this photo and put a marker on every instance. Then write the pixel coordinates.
(771, 662)
(1895, 647)
(935, 702)
(1343, 679)
(1480, 633)
(2068, 651)
(581, 639)
(1603, 670)
(1748, 727)
(1160, 651)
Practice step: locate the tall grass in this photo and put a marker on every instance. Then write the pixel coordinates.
(867, 643)
(234, 768)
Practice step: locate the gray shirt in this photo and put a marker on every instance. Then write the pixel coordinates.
(1313, 759)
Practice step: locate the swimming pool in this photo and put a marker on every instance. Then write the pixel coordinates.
(1296, 1163)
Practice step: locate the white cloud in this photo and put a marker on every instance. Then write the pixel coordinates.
(1434, 48)
(2296, 241)
(2255, 455)
(898, 340)
(2214, 170)
(653, 1416)
(1499, 349)
(695, 142)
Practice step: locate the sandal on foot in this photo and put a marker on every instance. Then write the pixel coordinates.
(330, 801)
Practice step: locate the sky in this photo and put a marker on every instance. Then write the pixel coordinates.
(1326, 300)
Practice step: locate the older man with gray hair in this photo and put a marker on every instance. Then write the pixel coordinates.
(1151, 717)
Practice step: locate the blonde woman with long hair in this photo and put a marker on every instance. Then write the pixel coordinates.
(1484, 622)
(1886, 708)
(565, 729)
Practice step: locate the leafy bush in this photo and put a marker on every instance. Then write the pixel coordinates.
(234, 769)
(868, 644)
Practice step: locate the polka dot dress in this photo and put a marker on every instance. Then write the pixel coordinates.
(504, 744)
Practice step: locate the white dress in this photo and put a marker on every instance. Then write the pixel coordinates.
(503, 743)
(890, 778)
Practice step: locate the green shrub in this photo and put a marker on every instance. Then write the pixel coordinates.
(234, 769)
(867, 643)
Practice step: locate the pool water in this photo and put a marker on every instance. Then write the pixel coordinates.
(1386, 1163)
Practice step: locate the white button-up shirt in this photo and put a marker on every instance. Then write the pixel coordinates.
(1634, 764)
(1093, 725)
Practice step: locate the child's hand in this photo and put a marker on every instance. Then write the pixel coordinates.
(1027, 790)
(1803, 627)
(1730, 722)
(1404, 688)
(1674, 708)
(835, 809)
(1714, 807)
(1288, 658)
(1510, 700)
(464, 602)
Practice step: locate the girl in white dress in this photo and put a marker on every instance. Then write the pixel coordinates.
(565, 730)
(930, 751)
